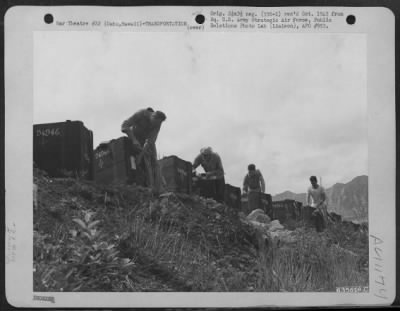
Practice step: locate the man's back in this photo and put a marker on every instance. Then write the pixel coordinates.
(212, 164)
(254, 181)
(140, 123)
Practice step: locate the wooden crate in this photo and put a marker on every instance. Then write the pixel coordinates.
(114, 162)
(232, 197)
(176, 174)
(63, 149)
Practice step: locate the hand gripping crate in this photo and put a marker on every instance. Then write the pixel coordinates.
(176, 174)
(63, 149)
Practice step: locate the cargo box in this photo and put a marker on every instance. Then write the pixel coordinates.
(286, 209)
(63, 149)
(279, 211)
(204, 187)
(232, 197)
(294, 209)
(114, 162)
(176, 174)
(257, 200)
(266, 203)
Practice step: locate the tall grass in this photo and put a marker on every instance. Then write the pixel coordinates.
(311, 264)
(173, 254)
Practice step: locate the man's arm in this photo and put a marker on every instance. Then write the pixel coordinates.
(308, 197)
(127, 128)
(246, 184)
(219, 171)
(196, 162)
(262, 182)
(131, 122)
(152, 137)
(323, 196)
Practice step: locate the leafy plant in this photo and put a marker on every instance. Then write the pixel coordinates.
(85, 261)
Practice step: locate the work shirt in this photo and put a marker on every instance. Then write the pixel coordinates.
(214, 164)
(141, 126)
(318, 195)
(254, 182)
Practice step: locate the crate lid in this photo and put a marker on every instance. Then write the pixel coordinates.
(175, 158)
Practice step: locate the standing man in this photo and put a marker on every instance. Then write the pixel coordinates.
(142, 128)
(316, 197)
(253, 185)
(253, 181)
(212, 165)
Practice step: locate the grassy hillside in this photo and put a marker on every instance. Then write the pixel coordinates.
(122, 238)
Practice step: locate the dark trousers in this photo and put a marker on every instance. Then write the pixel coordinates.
(220, 189)
(254, 201)
(139, 175)
(319, 221)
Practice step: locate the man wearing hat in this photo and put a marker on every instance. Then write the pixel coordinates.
(142, 128)
(212, 165)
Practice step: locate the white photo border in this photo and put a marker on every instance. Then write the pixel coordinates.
(22, 22)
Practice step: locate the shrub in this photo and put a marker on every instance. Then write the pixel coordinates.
(86, 260)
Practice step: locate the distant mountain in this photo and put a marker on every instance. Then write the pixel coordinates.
(349, 200)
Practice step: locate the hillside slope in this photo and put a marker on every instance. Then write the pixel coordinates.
(123, 239)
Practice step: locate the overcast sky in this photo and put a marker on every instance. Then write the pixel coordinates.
(293, 104)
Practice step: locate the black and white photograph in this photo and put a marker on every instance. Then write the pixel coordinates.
(178, 159)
